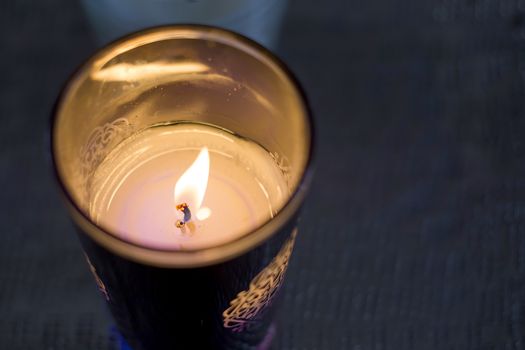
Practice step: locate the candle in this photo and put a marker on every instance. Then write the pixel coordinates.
(229, 184)
(184, 154)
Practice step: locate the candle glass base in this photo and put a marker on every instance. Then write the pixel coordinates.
(265, 344)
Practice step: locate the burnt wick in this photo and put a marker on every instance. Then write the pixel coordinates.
(185, 209)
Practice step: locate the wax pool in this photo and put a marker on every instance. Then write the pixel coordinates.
(133, 188)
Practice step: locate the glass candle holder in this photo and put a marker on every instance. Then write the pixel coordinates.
(184, 155)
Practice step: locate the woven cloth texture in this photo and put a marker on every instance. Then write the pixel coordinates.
(413, 234)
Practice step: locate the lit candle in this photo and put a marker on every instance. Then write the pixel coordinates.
(184, 154)
(186, 186)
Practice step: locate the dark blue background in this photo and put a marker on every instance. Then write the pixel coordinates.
(413, 236)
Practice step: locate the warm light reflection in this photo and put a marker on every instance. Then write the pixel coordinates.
(131, 72)
(191, 187)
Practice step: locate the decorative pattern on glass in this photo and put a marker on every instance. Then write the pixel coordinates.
(100, 142)
(249, 304)
(100, 284)
(284, 165)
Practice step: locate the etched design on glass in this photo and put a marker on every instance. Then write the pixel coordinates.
(283, 164)
(100, 284)
(249, 304)
(100, 142)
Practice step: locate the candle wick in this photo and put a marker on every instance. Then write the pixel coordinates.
(185, 209)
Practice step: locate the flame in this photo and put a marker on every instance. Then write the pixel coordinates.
(191, 186)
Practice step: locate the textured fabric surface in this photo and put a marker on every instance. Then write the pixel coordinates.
(413, 235)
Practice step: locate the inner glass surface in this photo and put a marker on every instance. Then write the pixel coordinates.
(139, 112)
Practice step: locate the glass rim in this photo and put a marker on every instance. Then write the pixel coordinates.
(206, 256)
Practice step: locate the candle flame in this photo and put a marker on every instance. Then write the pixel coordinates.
(191, 186)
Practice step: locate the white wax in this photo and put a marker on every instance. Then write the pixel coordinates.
(133, 188)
